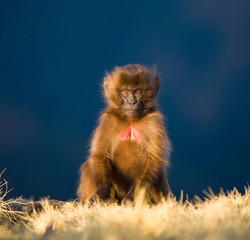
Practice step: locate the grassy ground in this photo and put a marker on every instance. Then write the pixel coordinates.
(224, 216)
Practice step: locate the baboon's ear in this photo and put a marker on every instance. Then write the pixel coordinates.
(156, 85)
(105, 85)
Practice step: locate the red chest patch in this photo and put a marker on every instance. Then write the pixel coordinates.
(130, 133)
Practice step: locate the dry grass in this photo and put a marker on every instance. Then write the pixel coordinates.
(223, 216)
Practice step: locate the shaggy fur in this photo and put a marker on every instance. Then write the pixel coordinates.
(124, 165)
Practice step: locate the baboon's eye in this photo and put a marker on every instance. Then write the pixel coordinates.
(125, 91)
(138, 91)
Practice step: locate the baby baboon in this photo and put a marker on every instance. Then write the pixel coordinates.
(130, 147)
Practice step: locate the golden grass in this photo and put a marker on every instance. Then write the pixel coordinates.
(222, 216)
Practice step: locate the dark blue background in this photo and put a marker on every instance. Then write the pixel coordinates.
(53, 55)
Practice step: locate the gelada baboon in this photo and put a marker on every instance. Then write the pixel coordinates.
(130, 147)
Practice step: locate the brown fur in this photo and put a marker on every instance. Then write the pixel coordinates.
(124, 165)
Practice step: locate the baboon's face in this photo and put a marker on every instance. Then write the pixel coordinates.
(132, 104)
(132, 89)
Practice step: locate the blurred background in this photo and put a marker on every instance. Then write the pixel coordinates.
(54, 54)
